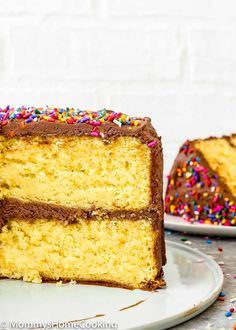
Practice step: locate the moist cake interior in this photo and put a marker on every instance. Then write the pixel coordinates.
(119, 251)
(74, 172)
(221, 156)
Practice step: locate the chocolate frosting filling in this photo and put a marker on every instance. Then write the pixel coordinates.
(14, 208)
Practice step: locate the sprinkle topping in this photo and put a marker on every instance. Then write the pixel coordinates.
(67, 116)
(152, 144)
(70, 116)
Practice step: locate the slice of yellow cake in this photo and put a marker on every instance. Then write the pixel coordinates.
(80, 197)
(202, 182)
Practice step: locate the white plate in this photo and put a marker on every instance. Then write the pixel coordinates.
(193, 283)
(177, 223)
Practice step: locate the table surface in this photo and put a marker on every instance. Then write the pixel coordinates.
(214, 317)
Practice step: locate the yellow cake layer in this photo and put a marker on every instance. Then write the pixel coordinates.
(221, 157)
(77, 172)
(111, 250)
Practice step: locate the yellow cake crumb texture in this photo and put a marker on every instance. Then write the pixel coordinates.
(221, 156)
(111, 250)
(76, 171)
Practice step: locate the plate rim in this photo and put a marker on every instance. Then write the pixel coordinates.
(176, 223)
(198, 309)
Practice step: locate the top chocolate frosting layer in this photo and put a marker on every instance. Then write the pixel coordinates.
(69, 122)
(106, 130)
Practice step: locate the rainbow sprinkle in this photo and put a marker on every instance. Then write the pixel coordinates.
(203, 200)
(67, 116)
(70, 116)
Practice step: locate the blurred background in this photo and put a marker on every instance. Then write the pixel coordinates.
(174, 61)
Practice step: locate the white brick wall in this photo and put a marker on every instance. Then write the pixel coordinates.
(172, 60)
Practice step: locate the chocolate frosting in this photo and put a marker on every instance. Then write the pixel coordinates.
(15, 208)
(144, 131)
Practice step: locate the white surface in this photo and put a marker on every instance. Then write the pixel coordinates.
(194, 282)
(171, 60)
(178, 224)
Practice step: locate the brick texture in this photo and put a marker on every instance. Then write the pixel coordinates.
(172, 60)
